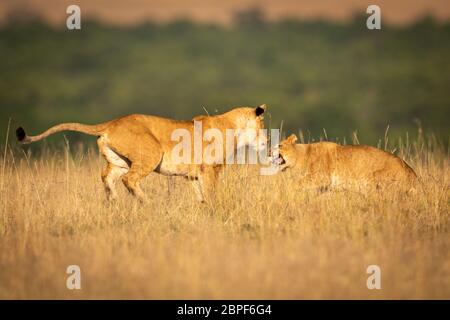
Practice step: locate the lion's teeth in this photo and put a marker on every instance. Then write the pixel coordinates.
(278, 161)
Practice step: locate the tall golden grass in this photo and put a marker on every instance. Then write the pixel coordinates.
(264, 238)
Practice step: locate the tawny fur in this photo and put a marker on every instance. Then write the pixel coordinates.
(327, 164)
(136, 145)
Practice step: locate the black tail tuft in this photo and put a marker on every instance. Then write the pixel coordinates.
(20, 134)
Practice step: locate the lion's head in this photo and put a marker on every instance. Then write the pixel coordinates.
(287, 156)
(250, 122)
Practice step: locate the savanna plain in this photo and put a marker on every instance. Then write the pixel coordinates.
(264, 237)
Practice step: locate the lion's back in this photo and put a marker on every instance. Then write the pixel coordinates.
(374, 164)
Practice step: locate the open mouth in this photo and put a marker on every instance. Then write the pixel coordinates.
(279, 160)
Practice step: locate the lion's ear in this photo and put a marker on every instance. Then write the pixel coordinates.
(259, 111)
(292, 138)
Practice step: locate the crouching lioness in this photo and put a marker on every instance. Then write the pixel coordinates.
(136, 145)
(327, 164)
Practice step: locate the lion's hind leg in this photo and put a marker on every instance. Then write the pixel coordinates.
(110, 176)
(132, 179)
(145, 155)
(117, 166)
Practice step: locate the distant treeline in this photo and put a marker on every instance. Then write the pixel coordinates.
(312, 75)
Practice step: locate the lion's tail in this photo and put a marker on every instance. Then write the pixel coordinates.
(94, 130)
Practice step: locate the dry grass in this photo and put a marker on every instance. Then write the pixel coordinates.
(264, 238)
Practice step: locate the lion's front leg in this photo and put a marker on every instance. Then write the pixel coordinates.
(198, 190)
(207, 181)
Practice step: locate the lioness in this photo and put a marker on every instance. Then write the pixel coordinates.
(136, 145)
(327, 164)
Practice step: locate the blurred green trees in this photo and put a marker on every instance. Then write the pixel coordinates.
(312, 75)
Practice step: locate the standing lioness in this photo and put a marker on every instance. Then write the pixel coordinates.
(136, 145)
(327, 164)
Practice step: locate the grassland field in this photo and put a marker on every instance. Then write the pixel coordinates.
(265, 237)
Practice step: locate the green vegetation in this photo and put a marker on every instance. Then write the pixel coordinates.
(313, 75)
